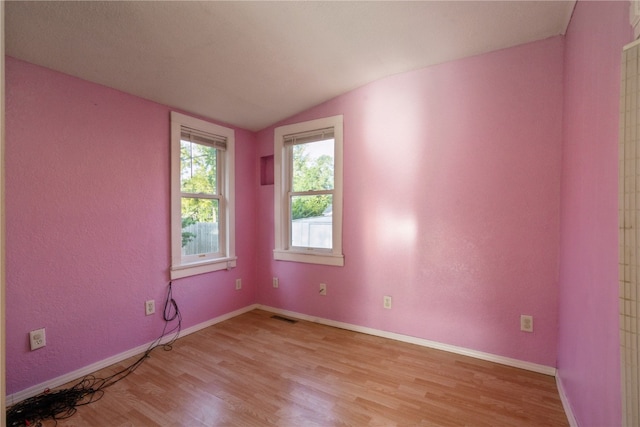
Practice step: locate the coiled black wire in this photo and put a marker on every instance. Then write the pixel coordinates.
(62, 404)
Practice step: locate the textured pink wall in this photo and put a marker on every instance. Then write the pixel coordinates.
(452, 187)
(588, 345)
(87, 217)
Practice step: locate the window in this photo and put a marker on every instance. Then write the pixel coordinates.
(308, 192)
(202, 197)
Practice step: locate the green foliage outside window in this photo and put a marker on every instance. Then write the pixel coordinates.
(198, 175)
(310, 173)
(186, 235)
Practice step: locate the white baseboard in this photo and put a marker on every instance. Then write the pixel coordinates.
(218, 319)
(543, 369)
(565, 403)
(14, 398)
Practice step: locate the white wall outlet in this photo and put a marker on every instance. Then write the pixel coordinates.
(386, 302)
(526, 323)
(275, 282)
(149, 307)
(37, 339)
(238, 284)
(323, 289)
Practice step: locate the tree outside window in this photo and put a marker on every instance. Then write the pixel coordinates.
(200, 200)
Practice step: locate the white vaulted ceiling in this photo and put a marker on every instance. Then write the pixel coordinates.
(252, 64)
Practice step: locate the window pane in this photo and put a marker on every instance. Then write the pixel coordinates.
(197, 168)
(312, 221)
(313, 166)
(200, 226)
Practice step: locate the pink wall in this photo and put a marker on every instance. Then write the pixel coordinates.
(87, 217)
(452, 188)
(588, 345)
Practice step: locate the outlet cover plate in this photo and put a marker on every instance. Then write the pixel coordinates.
(386, 302)
(37, 339)
(149, 307)
(526, 323)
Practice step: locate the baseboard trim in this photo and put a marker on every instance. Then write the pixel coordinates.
(565, 403)
(17, 397)
(542, 369)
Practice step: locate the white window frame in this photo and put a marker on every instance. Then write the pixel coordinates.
(226, 258)
(282, 188)
(634, 18)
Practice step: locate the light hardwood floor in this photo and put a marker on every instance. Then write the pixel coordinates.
(254, 370)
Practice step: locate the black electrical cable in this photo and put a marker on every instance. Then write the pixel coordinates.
(61, 404)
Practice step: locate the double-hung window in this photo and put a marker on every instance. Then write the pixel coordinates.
(202, 196)
(308, 192)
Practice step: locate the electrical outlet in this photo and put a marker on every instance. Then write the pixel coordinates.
(275, 282)
(37, 339)
(526, 323)
(323, 289)
(238, 284)
(386, 302)
(149, 307)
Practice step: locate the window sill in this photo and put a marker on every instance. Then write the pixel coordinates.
(309, 258)
(186, 270)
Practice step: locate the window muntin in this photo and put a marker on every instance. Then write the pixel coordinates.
(202, 196)
(311, 195)
(308, 192)
(200, 164)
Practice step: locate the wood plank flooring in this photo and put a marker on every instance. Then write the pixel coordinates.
(254, 370)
